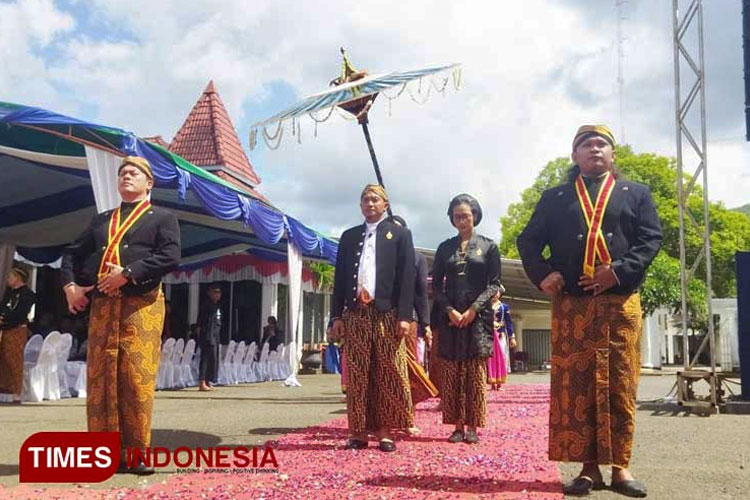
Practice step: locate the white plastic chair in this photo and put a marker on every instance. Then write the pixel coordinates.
(177, 352)
(66, 342)
(237, 359)
(225, 375)
(186, 378)
(165, 364)
(32, 349)
(281, 364)
(273, 365)
(248, 364)
(40, 380)
(75, 375)
(262, 365)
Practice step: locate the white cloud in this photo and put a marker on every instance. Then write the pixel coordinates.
(533, 71)
(28, 28)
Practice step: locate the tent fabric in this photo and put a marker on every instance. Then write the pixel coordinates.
(294, 299)
(103, 170)
(51, 187)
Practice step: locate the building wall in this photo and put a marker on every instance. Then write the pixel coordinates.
(663, 344)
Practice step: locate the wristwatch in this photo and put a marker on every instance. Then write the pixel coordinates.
(128, 273)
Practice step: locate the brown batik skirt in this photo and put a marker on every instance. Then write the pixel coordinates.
(12, 344)
(463, 392)
(596, 360)
(377, 376)
(124, 344)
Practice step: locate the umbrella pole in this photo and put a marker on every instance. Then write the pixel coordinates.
(374, 158)
(372, 153)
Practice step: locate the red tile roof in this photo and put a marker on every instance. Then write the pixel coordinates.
(208, 138)
(157, 139)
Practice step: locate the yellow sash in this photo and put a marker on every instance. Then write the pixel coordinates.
(596, 245)
(116, 232)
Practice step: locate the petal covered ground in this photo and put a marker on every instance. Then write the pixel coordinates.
(509, 462)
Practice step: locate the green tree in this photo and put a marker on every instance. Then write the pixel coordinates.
(730, 230)
(323, 274)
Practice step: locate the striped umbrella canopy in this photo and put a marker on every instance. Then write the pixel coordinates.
(418, 84)
(353, 94)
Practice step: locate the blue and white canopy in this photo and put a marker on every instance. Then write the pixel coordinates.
(48, 173)
(418, 84)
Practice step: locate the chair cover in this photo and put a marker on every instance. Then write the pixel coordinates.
(66, 342)
(185, 373)
(225, 363)
(165, 364)
(40, 380)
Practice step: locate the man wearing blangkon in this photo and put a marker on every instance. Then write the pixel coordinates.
(603, 232)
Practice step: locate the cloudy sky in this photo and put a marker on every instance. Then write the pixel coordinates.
(533, 71)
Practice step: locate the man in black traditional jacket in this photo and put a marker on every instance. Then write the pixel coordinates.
(603, 232)
(371, 309)
(121, 258)
(14, 331)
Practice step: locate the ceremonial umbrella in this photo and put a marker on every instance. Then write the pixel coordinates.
(354, 92)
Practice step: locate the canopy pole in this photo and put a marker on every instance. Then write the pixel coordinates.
(374, 158)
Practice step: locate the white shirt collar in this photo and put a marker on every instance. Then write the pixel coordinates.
(371, 226)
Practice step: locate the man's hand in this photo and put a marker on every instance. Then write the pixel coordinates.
(455, 317)
(428, 336)
(604, 279)
(403, 328)
(337, 330)
(112, 282)
(467, 317)
(512, 343)
(552, 285)
(76, 297)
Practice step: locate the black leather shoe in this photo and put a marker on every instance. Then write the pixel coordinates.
(141, 470)
(456, 437)
(471, 437)
(582, 486)
(387, 446)
(355, 444)
(630, 488)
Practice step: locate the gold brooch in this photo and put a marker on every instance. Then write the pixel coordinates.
(389, 235)
(479, 251)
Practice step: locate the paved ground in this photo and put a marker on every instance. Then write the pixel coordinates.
(678, 455)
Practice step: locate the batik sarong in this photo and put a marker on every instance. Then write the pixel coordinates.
(123, 357)
(595, 367)
(12, 343)
(377, 377)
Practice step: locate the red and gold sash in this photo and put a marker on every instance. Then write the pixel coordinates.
(596, 245)
(116, 232)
